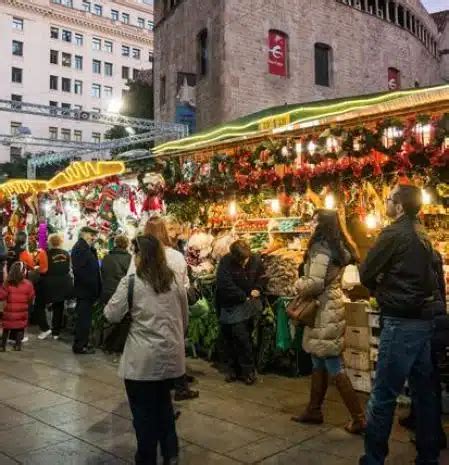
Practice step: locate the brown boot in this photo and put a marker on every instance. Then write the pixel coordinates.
(358, 423)
(313, 414)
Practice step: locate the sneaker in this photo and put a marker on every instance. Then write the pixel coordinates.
(44, 334)
(84, 351)
(186, 394)
(25, 339)
(55, 337)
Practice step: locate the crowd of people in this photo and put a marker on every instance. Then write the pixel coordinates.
(145, 289)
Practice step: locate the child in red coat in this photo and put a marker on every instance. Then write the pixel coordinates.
(18, 293)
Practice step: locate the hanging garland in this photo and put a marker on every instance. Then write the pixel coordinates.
(392, 146)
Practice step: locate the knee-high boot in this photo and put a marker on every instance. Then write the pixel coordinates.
(318, 389)
(358, 423)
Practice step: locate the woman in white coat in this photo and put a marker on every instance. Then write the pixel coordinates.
(154, 351)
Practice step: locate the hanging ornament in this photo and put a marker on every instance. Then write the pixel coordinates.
(332, 144)
(390, 136)
(357, 144)
(423, 133)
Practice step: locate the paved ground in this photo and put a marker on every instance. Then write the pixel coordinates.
(56, 408)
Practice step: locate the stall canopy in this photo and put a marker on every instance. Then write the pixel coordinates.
(288, 118)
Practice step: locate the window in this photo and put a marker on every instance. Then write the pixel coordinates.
(17, 99)
(65, 134)
(141, 22)
(17, 48)
(114, 15)
(15, 153)
(53, 104)
(125, 51)
(96, 90)
(78, 87)
(86, 6)
(54, 32)
(98, 10)
(108, 46)
(202, 52)
(125, 72)
(78, 62)
(125, 18)
(65, 109)
(17, 23)
(150, 24)
(66, 59)
(322, 64)
(135, 74)
(96, 66)
(394, 79)
(53, 132)
(96, 137)
(77, 136)
(136, 53)
(66, 85)
(96, 43)
(108, 69)
(163, 90)
(54, 54)
(15, 128)
(16, 75)
(107, 91)
(150, 57)
(54, 82)
(66, 36)
(79, 39)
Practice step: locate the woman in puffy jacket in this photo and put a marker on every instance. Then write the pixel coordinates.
(18, 293)
(329, 251)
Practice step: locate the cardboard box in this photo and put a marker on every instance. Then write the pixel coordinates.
(356, 314)
(361, 380)
(357, 338)
(357, 359)
(374, 320)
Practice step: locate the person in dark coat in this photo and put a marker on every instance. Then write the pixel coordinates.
(57, 283)
(87, 280)
(240, 282)
(114, 267)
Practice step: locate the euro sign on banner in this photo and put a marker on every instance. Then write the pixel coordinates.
(277, 53)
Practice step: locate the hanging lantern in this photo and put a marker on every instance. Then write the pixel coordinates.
(390, 136)
(423, 133)
(357, 144)
(332, 144)
(311, 147)
(446, 143)
(329, 201)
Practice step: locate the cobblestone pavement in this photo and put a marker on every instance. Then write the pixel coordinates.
(57, 408)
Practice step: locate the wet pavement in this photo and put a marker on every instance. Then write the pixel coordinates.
(58, 408)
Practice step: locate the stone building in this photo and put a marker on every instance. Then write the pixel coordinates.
(442, 22)
(236, 57)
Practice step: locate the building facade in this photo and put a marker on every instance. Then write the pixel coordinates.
(237, 57)
(74, 54)
(442, 22)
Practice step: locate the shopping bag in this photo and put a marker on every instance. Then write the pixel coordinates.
(283, 336)
(351, 277)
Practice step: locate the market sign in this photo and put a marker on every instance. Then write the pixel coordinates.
(277, 53)
(274, 122)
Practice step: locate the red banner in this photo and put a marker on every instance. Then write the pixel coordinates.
(277, 53)
(394, 79)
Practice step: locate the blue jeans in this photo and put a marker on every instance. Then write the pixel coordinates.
(333, 365)
(404, 353)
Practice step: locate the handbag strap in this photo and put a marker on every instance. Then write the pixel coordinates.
(131, 281)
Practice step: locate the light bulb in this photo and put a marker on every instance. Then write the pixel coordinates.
(329, 202)
(426, 197)
(232, 208)
(275, 205)
(371, 221)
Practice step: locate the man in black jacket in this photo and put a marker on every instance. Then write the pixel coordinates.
(396, 271)
(86, 272)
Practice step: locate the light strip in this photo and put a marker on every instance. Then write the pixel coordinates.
(367, 101)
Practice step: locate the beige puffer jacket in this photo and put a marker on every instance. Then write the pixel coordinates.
(322, 280)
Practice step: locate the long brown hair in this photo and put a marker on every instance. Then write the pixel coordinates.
(156, 227)
(152, 266)
(331, 229)
(16, 274)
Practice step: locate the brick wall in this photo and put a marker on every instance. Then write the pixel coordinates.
(363, 48)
